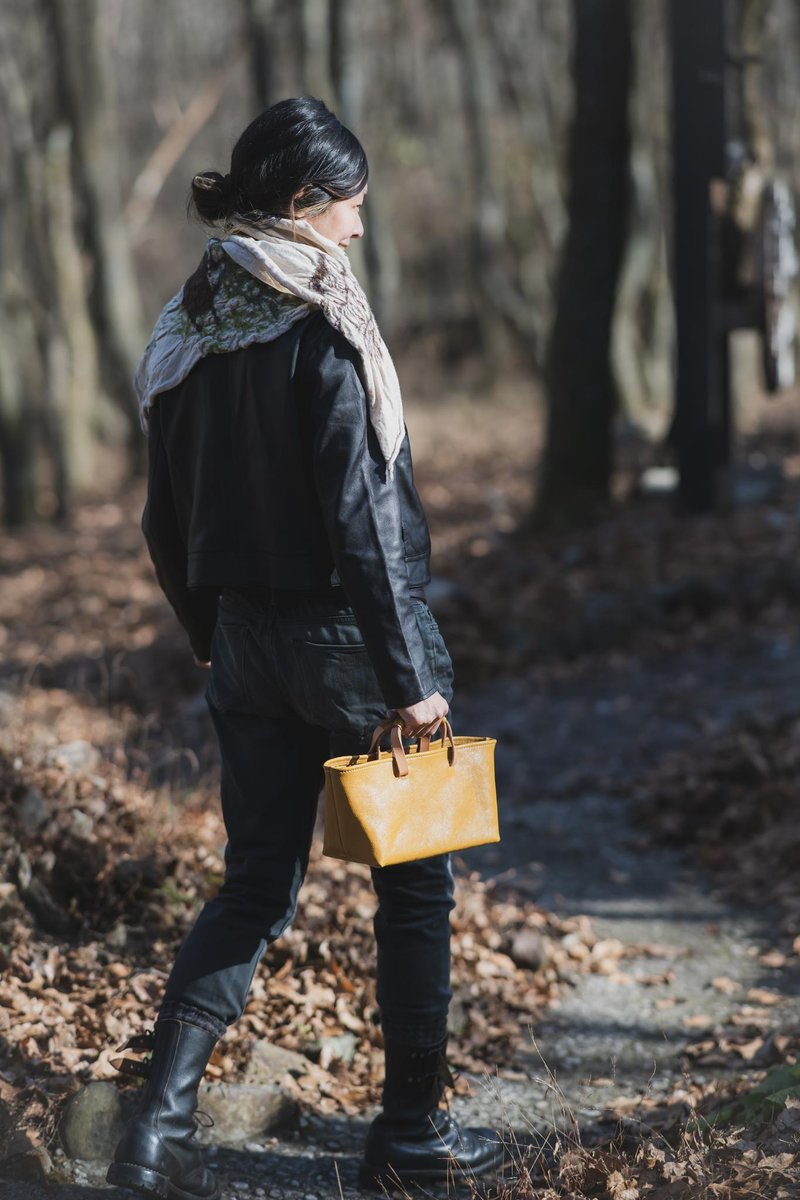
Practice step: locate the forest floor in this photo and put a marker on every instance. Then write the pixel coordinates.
(626, 960)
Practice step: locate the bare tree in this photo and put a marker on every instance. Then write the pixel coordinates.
(261, 19)
(84, 61)
(498, 305)
(376, 256)
(74, 366)
(24, 271)
(310, 42)
(581, 394)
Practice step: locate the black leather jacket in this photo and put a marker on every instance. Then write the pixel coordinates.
(265, 472)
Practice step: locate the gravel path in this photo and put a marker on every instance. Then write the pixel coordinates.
(575, 850)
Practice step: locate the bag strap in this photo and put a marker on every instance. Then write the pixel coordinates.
(398, 752)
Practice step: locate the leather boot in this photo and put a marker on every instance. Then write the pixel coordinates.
(157, 1155)
(415, 1141)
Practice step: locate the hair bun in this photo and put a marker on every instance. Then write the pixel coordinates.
(212, 195)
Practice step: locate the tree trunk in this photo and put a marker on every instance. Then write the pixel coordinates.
(24, 278)
(497, 304)
(78, 395)
(261, 18)
(18, 360)
(581, 399)
(310, 26)
(376, 256)
(85, 64)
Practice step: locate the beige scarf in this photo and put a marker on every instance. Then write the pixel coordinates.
(294, 258)
(224, 306)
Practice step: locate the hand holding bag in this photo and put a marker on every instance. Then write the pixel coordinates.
(395, 807)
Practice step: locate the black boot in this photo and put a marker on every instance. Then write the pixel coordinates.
(157, 1155)
(415, 1141)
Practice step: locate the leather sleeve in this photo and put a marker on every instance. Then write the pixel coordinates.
(196, 609)
(361, 511)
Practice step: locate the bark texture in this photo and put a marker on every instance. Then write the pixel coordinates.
(581, 395)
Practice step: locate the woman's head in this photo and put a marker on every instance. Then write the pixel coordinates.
(294, 160)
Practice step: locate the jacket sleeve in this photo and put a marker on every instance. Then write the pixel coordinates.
(361, 511)
(195, 609)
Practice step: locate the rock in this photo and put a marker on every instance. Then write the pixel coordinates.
(81, 825)
(75, 756)
(243, 1112)
(339, 1047)
(92, 1122)
(271, 1064)
(32, 811)
(529, 949)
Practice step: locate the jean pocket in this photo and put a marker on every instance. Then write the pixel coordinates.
(339, 686)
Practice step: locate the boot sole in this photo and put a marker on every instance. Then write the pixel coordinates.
(386, 1176)
(150, 1183)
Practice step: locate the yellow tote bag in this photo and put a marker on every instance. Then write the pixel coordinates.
(392, 807)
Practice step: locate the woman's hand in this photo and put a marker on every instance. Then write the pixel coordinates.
(422, 718)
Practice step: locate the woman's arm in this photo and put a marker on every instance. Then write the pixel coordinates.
(362, 514)
(195, 609)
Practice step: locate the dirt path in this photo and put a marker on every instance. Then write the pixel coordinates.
(573, 848)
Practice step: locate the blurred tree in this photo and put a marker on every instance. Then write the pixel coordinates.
(309, 45)
(502, 305)
(488, 252)
(23, 269)
(376, 256)
(173, 145)
(106, 110)
(581, 394)
(526, 42)
(83, 61)
(74, 355)
(643, 339)
(260, 21)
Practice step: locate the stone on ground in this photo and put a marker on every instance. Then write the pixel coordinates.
(271, 1064)
(243, 1112)
(92, 1122)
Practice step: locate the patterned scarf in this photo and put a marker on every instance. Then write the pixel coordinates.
(251, 286)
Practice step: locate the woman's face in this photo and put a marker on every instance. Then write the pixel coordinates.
(342, 220)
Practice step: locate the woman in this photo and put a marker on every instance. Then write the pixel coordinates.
(287, 533)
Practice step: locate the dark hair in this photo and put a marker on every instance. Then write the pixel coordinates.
(295, 148)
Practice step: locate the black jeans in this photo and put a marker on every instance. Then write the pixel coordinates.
(291, 685)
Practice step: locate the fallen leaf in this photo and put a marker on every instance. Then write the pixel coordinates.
(764, 996)
(722, 983)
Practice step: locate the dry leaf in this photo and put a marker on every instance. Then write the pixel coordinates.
(723, 984)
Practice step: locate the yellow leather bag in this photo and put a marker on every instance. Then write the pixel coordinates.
(392, 807)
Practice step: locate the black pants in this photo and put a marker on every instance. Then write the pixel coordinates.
(291, 685)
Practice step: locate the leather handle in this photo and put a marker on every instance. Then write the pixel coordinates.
(398, 752)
